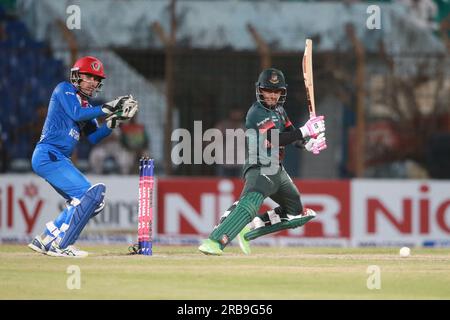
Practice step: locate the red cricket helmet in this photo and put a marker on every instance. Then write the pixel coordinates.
(88, 65)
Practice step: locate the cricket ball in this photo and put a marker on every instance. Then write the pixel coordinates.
(405, 252)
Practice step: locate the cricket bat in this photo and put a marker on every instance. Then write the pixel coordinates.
(308, 77)
(309, 83)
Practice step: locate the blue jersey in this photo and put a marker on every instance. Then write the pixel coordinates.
(68, 116)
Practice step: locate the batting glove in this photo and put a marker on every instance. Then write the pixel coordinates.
(313, 127)
(315, 145)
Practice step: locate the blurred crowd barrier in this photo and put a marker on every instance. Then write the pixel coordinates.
(350, 213)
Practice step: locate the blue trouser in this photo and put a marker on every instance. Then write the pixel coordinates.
(59, 171)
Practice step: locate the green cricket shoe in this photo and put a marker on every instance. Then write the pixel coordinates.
(244, 244)
(210, 247)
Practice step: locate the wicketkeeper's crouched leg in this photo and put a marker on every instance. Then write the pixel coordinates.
(81, 213)
(89, 203)
(70, 183)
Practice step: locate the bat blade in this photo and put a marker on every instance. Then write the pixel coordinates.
(308, 77)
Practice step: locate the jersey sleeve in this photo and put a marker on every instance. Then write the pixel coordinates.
(66, 95)
(291, 132)
(90, 127)
(288, 125)
(99, 133)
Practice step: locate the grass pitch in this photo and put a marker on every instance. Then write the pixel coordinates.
(184, 273)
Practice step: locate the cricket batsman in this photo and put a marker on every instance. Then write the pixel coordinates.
(70, 116)
(265, 118)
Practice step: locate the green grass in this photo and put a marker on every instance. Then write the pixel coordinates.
(184, 273)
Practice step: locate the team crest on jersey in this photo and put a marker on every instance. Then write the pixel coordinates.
(274, 78)
(95, 65)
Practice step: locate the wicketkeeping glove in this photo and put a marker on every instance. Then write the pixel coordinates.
(114, 105)
(114, 121)
(129, 108)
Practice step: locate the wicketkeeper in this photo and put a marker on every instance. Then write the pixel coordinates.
(264, 116)
(69, 116)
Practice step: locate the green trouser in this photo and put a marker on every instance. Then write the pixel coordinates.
(279, 187)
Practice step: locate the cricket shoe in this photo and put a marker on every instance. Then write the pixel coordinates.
(37, 245)
(309, 213)
(210, 247)
(256, 223)
(306, 215)
(244, 244)
(69, 252)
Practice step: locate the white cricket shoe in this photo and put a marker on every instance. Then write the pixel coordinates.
(69, 252)
(309, 213)
(37, 245)
(80, 252)
(256, 223)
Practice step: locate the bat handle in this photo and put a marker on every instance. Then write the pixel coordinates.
(312, 114)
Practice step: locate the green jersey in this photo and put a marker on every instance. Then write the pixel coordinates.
(260, 120)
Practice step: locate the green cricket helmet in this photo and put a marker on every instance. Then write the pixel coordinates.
(272, 79)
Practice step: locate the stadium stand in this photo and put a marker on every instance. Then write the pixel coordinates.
(29, 75)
